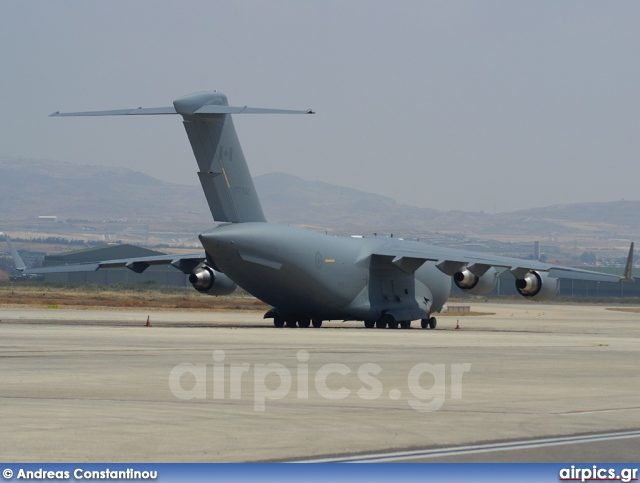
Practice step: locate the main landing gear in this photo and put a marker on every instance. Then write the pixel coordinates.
(384, 322)
(302, 322)
(430, 323)
(388, 321)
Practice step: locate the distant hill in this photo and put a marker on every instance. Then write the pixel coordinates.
(293, 200)
(31, 188)
(290, 199)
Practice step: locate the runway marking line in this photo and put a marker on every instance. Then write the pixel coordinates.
(591, 411)
(387, 457)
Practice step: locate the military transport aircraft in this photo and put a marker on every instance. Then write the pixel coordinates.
(309, 277)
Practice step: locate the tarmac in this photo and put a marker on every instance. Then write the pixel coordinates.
(88, 386)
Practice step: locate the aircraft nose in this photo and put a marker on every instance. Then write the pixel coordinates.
(217, 239)
(226, 239)
(219, 245)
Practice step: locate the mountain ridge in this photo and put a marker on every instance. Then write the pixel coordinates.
(31, 188)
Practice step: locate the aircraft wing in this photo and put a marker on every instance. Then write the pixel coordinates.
(184, 263)
(450, 260)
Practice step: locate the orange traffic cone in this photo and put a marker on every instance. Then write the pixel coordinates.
(457, 324)
(148, 323)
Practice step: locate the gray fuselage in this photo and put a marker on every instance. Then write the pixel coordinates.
(319, 276)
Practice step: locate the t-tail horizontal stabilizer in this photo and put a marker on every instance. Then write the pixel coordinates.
(223, 172)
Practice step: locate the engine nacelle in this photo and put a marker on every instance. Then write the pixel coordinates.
(538, 286)
(211, 282)
(471, 283)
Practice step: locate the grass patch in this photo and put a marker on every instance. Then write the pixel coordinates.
(625, 309)
(121, 296)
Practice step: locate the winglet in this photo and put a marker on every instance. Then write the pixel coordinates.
(628, 267)
(16, 256)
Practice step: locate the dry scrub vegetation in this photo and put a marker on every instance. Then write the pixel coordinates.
(626, 309)
(134, 297)
(130, 297)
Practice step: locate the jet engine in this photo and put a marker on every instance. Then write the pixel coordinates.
(476, 285)
(537, 286)
(211, 282)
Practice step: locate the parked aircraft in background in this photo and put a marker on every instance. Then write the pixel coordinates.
(19, 264)
(309, 277)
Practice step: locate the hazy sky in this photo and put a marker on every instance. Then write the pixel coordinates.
(492, 105)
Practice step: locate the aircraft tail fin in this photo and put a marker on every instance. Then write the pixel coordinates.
(627, 277)
(223, 169)
(17, 260)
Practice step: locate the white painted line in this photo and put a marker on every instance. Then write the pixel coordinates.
(389, 457)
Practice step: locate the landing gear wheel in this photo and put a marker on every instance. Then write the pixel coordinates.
(304, 323)
(405, 324)
(430, 323)
(387, 320)
(369, 324)
(317, 322)
(278, 321)
(291, 323)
